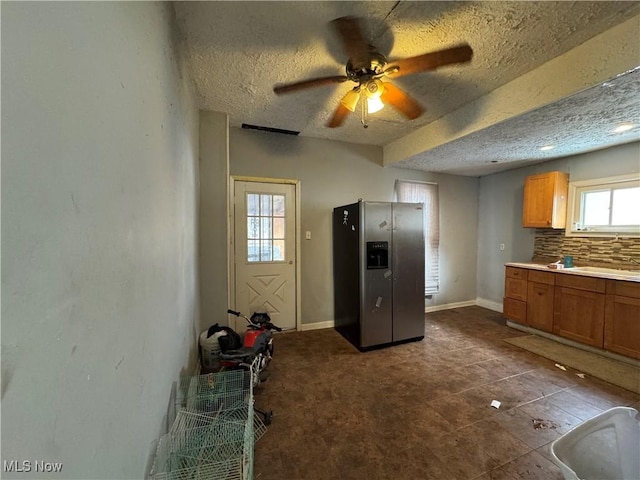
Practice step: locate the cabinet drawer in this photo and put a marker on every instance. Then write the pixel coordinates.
(624, 289)
(515, 310)
(591, 284)
(547, 278)
(515, 288)
(514, 272)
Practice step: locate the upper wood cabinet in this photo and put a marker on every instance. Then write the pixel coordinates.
(545, 200)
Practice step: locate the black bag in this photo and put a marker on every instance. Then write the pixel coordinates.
(230, 341)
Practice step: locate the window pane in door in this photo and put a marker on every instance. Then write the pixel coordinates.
(265, 250)
(278, 227)
(253, 253)
(265, 205)
(253, 227)
(278, 205)
(596, 207)
(253, 207)
(278, 250)
(625, 206)
(265, 227)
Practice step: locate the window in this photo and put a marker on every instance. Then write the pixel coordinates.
(426, 193)
(265, 227)
(604, 207)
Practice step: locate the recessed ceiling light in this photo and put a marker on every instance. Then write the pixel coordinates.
(547, 147)
(623, 127)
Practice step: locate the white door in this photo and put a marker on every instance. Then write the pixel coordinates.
(265, 270)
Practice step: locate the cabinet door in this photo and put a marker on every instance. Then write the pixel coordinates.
(579, 315)
(622, 325)
(545, 200)
(515, 310)
(540, 306)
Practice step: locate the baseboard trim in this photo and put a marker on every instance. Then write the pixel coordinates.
(491, 305)
(317, 325)
(480, 302)
(449, 306)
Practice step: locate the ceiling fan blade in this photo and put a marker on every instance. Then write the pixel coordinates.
(401, 101)
(339, 116)
(353, 42)
(304, 84)
(429, 61)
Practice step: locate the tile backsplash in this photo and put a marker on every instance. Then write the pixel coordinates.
(551, 245)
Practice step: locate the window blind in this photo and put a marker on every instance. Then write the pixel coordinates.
(427, 194)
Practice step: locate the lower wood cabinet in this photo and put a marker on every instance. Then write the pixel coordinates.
(515, 310)
(590, 310)
(579, 315)
(540, 306)
(514, 304)
(622, 318)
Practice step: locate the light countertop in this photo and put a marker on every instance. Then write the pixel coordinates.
(577, 271)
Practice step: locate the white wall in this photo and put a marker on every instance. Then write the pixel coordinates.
(500, 209)
(99, 198)
(214, 182)
(336, 173)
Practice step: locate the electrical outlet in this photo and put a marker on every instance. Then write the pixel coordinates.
(502, 246)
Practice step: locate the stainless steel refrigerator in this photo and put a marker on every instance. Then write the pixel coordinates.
(378, 272)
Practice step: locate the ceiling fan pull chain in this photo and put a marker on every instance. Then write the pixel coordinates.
(365, 110)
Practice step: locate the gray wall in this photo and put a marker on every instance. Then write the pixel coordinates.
(214, 175)
(99, 274)
(334, 174)
(500, 209)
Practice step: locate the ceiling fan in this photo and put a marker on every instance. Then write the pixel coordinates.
(367, 68)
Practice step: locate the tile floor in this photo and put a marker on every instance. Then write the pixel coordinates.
(421, 410)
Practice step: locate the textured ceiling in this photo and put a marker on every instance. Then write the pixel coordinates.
(239, 50)
(587, 120)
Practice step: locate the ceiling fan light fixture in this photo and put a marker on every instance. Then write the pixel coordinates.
(372, 92)
(374, 104)
(374, 88)
(350, 100)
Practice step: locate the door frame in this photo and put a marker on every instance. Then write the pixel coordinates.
(231, 240)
